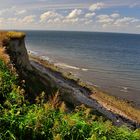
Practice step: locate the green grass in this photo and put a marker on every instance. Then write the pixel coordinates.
(21, 120)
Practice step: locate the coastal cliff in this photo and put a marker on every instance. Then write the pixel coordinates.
(18, 55)
(15, 48)
(39, 78)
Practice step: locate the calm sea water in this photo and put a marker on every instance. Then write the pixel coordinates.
(109, 61)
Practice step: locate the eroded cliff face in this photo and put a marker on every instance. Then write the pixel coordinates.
(18, 55)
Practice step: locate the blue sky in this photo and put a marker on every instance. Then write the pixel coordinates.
(81, 15)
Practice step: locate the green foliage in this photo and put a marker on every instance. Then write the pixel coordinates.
(7, 80)
(21, 120)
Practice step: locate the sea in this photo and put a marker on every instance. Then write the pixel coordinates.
(109, 61)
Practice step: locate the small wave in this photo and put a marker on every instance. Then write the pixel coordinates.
(32, 52)
(124, 89)
(96, 85)
(45, 58)
(83, 69)
(40, 56)
(63, 65)
(92, 84)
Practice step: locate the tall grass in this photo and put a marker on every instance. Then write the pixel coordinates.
(4, 56)
(15, 35)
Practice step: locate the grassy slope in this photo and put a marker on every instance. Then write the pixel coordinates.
(21, 120)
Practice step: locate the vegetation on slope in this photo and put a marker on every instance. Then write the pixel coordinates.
(21, 120)
(11, 35)
(15, 35)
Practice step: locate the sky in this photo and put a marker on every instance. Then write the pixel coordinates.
(74, 15)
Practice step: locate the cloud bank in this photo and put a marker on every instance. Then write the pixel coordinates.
(89, 17)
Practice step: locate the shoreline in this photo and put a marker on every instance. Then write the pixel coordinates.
(117, 90)
(120, 108)
(113, 87)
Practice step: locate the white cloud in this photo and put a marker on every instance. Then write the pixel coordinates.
(54, 21)
(88, 21)
(116, 20)
(125, 21)
(7, 10)
(135, 20)
(73, 16)
(90, 15)
(18, 21)
(8, 21)
(57, 20)
(49, 15)
(1, 20)
(12, 20)
(74, 13)
(12, 10)
(138, 26)
(115, 15)
(105, 19)
(50, 21)
(71, 20)
(27, 19)
(102, 16)
(20, 12)
(96, 6)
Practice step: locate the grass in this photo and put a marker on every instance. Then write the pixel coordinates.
(4, 56)
(15, 35)
(21, 120)
(6, 36)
